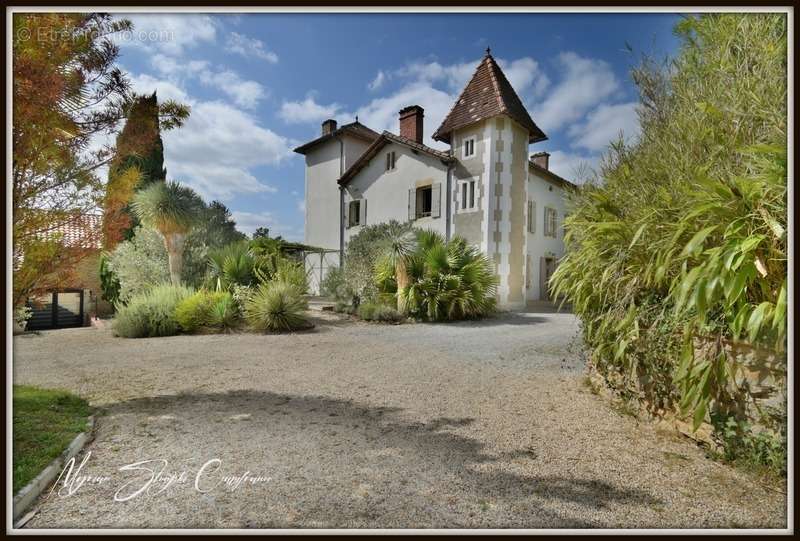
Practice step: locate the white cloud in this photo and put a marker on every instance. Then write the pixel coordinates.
(245, 46)
(171, 66)
(525, 75)
(454, 76)
(382, 113)
(378, 81)
(244, 93)
(604, 124)
(307, 111)
(248, 222)
(574, 167)
(167, 90)
(218, 146)
(586, 83)
(214, 181)
(169, 33)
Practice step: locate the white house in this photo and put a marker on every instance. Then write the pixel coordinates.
(486, 188)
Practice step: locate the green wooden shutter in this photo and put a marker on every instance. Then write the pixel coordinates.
(436, 200)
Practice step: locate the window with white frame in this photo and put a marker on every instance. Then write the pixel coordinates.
(469, 147)
(550, 219)
(467, 195)
(391, 159)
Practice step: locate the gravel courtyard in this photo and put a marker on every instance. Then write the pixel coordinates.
(353, 425)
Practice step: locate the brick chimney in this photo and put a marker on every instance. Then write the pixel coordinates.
(411, 122)
(542, 159)
(329, 126)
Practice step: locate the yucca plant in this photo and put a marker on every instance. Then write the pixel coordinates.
(172, 210)
(225, 314)
(397, 248)
(276, 306)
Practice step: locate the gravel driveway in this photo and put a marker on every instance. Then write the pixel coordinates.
(354, 425)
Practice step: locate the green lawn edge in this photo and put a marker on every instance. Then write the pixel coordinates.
(45, 422)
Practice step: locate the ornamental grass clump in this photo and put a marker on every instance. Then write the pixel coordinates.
(151, 313)
(276, 306)
(207, 309)
(376, 311)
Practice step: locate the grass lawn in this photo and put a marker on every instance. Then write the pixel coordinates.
(45, 422)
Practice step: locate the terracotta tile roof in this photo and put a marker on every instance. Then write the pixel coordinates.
(84, 231)
(487, 94)
(384, 139)
(355, 129)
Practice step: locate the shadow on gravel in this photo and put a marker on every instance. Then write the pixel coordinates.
(512, 318)
(351, 441)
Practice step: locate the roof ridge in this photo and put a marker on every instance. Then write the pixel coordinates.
(493, 75)
(370, 152)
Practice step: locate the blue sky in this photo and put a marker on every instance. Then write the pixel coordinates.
(261, 84)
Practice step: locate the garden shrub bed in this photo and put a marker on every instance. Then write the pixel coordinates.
(393, 272)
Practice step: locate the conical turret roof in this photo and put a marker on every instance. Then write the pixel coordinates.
(487, 94)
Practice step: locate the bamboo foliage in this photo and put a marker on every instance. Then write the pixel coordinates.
(686, 235)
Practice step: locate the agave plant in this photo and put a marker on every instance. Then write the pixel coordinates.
(172, 210)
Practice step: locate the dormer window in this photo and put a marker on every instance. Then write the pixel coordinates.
(390, 161)
(469, 147)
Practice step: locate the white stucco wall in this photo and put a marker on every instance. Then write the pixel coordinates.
(546, 194)
(386, 192)
(323, 165)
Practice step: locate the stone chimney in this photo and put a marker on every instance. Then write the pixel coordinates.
(411, 122)
(542, 159)
(329, 126)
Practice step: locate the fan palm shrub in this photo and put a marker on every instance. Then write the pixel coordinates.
(172, 210)
(445, 280)
(232, 264)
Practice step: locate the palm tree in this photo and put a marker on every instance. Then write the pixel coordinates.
(398, 248)
(172, 210)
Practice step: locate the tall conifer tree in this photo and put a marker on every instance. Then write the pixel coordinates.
(139, 162)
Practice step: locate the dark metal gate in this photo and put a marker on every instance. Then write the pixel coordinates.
(56, 310)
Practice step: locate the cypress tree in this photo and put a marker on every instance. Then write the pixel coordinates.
(139, 162)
